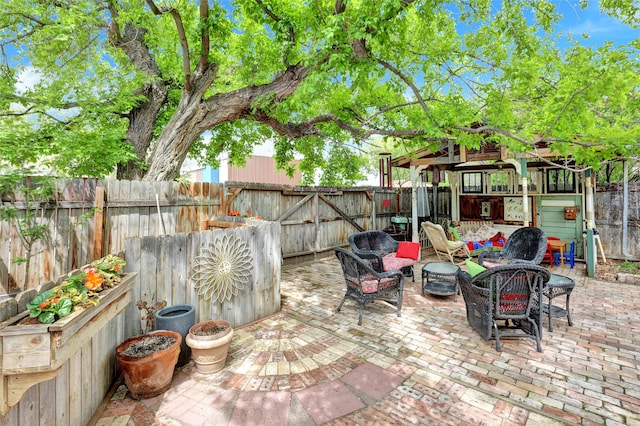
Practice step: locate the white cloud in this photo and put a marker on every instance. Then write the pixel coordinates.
(27, 79)
(589, 27)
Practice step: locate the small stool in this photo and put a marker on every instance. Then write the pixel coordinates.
(440, 279)
(557, 286)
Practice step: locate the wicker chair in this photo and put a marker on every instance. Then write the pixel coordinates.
(378, 247)
(527, 244)
(502, 301)
(364, 284)
(442, 246)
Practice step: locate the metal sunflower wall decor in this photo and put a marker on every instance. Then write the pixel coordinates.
(222, 268)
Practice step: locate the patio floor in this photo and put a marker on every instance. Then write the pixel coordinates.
(310, 365)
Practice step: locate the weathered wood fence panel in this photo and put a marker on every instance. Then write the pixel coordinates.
(132, 208)
(165, 266)
(315, 220)
(609, 204)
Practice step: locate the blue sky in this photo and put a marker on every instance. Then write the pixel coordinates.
(596, 25)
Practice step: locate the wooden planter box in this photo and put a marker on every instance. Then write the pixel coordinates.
(34, 353)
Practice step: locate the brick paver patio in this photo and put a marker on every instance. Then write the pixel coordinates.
(312, 365)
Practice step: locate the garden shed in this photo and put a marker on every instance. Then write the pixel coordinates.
(509, 189)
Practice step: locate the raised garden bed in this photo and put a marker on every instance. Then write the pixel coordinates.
(33, 353)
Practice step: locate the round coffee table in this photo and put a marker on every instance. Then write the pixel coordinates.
(440, 279)
(558, 285)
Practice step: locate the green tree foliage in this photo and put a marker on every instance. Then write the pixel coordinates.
(136, 84)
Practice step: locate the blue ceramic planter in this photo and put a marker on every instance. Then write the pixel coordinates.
(178, 318)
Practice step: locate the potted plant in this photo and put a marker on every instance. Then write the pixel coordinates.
(209, 342)
(147, 362)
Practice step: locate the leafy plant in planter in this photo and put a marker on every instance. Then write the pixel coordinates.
(61, 300)
(78, 291)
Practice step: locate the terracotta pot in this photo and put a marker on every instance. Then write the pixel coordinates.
(149, 375)
(209, 351)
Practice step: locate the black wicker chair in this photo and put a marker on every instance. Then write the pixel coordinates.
(364, 284)
(374, 246)
(502, 301)
(527, 244)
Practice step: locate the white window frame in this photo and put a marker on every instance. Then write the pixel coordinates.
(508, 174)
(538, 181)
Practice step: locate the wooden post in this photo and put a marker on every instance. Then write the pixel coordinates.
(223, 201)
(98, 223)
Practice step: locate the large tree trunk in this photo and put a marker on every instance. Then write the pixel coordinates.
(142, 118)
(140, 131)
(194, 116)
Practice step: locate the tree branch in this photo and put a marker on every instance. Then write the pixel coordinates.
(309, 127)
(413, 87)
(85, 47)
(36, 102)
(186, 61)
(32, 111)
(31, 18)
(18, 114)
(492, 130)
(276, 18)
(204, 35)
(568, 102)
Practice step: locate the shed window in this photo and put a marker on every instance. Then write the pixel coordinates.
(472, 183)
(499, 182)
(532, 181)
(560, 180)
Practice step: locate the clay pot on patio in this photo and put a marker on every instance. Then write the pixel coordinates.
(209, 342)
(147, 362)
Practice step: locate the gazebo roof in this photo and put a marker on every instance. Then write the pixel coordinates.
(449, 155)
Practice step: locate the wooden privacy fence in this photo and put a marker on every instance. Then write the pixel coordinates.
(313, 220)
(121, 209)
(610, 205)
(89, 218)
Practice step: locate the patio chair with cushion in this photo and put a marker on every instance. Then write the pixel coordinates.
(442, 246)
(527, 244)
(365, 284)
(502, 301)
(385, 253)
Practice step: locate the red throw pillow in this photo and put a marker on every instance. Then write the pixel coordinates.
(496, 237)
(408, 250)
